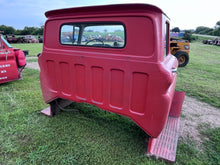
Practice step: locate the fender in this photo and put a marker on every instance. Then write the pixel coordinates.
(20, 57)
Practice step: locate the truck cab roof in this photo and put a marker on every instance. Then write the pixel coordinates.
(119, 8)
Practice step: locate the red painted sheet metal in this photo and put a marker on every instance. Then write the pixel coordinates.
(165, 145)
(177, 103)
(111, 86)
(8, 71)
(8, 66)
(10, 60)
(135, 81)
(19, 54)
(120, 8)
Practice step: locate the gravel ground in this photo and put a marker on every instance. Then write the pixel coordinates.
(33, 65)
(197, 114)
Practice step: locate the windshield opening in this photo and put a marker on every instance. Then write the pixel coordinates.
(5, 41)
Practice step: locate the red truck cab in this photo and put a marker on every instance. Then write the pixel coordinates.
(115, 57)
(12, 62)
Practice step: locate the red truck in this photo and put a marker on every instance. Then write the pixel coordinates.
(12, 62)
(133, 75)
(30, 39)
(11, 38)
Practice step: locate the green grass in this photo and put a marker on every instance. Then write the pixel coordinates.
(86, 137)
(212, 144)
(201, 77)
(31, 60)
(90, 136)
(34, 48)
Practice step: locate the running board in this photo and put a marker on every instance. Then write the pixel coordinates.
(165, 145)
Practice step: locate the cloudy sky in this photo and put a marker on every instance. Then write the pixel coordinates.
(185, 14)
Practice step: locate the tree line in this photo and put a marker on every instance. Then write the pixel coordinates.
(199, 30)
(209, 31)
(26, 31)
(39, 31)
(204, 30)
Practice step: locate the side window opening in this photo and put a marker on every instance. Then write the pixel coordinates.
(1, 45)
(166, 41)
(69, 34)
(93, 35)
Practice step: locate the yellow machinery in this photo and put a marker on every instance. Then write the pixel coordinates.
(180, 49)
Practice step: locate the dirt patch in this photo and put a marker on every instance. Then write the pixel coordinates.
(30, 58)
(33, 65)
(194, 114)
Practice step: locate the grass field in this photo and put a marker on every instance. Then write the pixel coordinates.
(34, 48)
(92, 136)
(201, 77)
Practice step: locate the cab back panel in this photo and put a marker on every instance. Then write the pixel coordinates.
(129, 81)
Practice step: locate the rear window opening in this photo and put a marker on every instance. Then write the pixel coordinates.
(93, 35)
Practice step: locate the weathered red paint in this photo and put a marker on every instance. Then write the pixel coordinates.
(12, 62)
(136, 81)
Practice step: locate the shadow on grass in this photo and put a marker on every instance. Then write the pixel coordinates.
(95, 136)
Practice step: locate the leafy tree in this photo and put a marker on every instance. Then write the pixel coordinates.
(188, 35)
(216, 32)
(27, 30)
(38, 31)
(176, 29)
(209, 31)
(18, 32)
(203, 30)
(7, 29)
(206, 31)
(31, 30)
